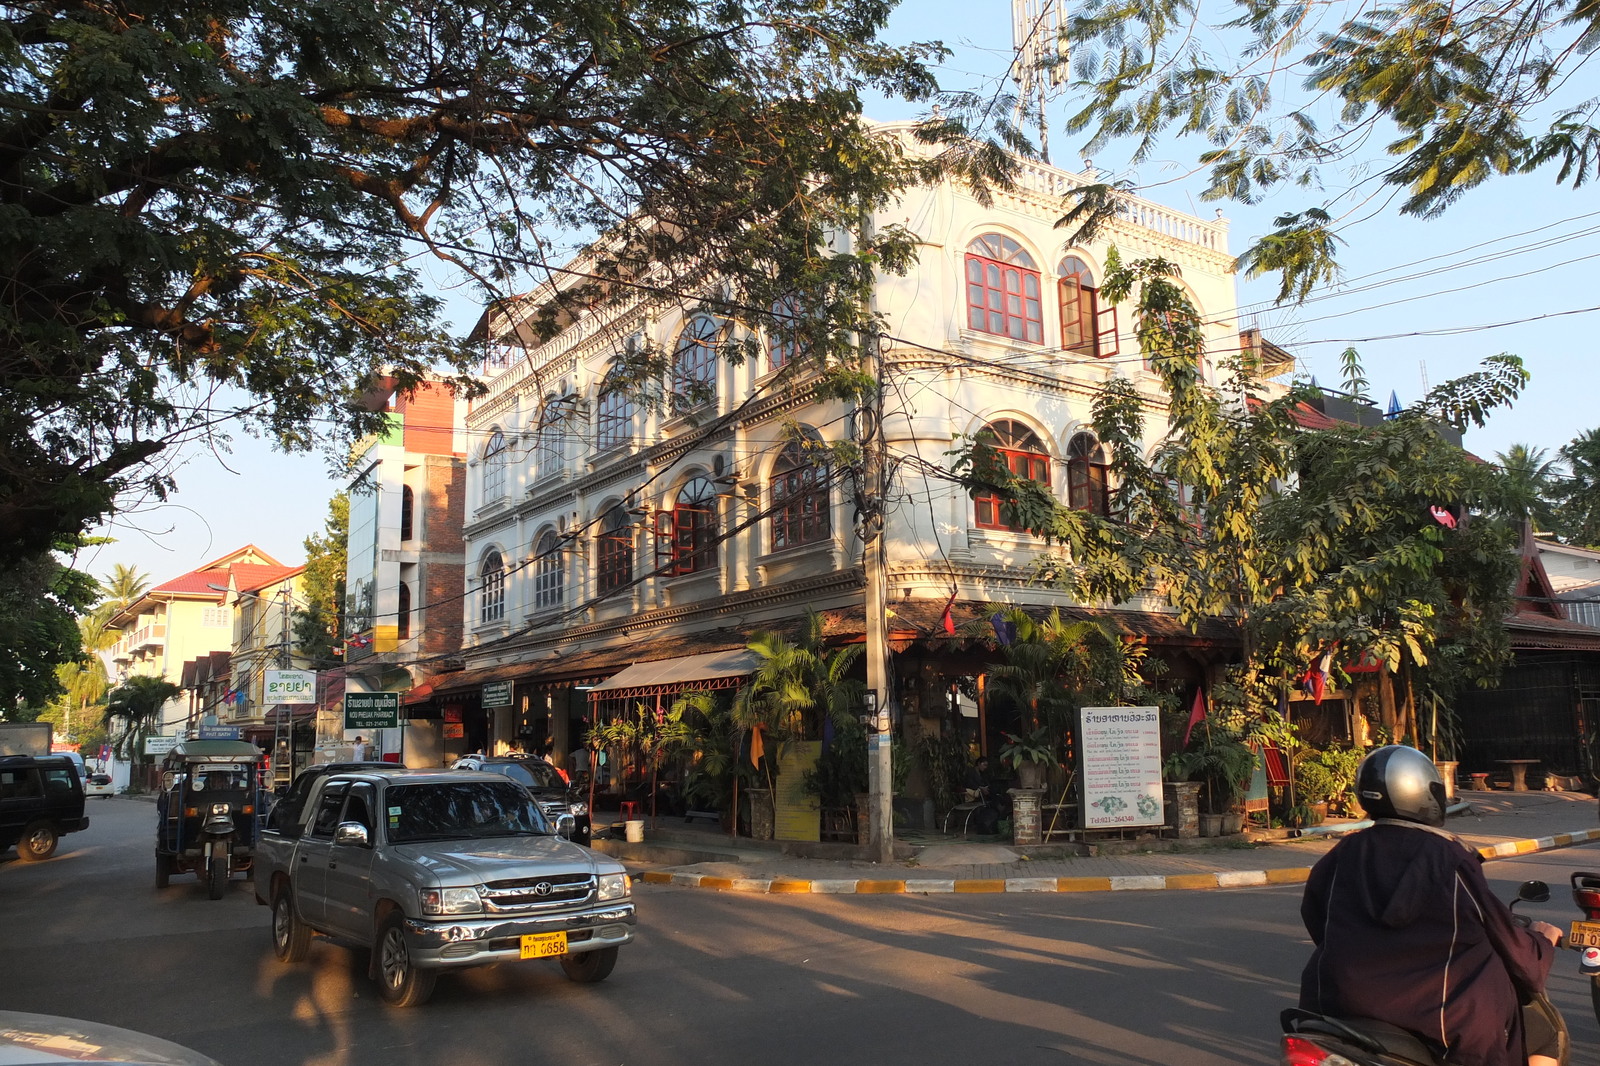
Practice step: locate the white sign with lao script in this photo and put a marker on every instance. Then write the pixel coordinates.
(1120, 753)
(159, 745)
(289, 686)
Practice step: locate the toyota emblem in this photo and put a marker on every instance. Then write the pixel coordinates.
(542, 888)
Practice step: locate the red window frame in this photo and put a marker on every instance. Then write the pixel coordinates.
(1088, 479)
(1086, 327)
(1024, 456)
(614, 552)
(801, 510)
(694, 363)
(686, 536)
(1003, 290)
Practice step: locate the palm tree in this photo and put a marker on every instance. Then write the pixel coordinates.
(1531, 480)
(132, 708)
(1579, 521)
(125, 585)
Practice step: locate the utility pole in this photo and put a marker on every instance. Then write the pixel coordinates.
(880, 676)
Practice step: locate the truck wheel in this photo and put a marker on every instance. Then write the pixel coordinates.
(291, 938)
(590, 966)
(400, 982)
(38, 842)
(217, 871)
(163, 869)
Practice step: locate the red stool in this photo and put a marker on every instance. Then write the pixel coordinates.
(630, 811)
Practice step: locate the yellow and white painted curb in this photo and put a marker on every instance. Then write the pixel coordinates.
(1127, 883)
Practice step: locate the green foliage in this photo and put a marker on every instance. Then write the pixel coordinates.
(1218, 758)
(40, 600)
(1326, 775)
(318, 625)
(841, 772)
(1428, 101)
(212, 209)
(796, 685)
(943, 760)
(1577, 520)
(1531, 483)
(1038, 747)
(133, 708)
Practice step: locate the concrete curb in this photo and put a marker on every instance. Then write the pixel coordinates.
(1144, 883)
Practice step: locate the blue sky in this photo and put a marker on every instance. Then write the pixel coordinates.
(1518, 250)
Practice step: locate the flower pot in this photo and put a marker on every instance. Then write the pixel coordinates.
(1030, 775)
(1232, 823)
(1211, 825)
(1447, 773)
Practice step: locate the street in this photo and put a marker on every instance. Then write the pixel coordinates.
(1124, 979)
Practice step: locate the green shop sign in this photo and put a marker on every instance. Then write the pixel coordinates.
(371, 710)
(497, 694)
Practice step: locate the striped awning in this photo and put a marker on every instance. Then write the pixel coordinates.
(682, 672)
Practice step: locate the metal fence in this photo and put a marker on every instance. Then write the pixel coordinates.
(1545, 708)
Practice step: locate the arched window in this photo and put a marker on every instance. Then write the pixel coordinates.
(549, 426)
(613, 419)
(1024, 455)
(614, 551)
(1086, 327)
(694, 363)
(800, 511)
(548, 572)
(1086, 475)
(408, 507)
(402, 625)
(494, 467)
(781, 341)
(491, 588)
(686, 536)
(1003, 289)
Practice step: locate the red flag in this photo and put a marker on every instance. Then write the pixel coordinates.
(1197, 715)
(949, 619)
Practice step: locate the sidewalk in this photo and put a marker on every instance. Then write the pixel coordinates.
(1499, 824)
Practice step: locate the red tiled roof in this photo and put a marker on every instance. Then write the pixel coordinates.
(248, 577)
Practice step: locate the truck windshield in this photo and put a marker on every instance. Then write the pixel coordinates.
(459, 810)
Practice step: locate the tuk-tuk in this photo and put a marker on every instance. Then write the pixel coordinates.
(207, 813)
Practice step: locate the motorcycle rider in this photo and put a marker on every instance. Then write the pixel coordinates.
(1408, 932)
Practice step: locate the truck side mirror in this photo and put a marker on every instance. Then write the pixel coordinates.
(168, 779)
(351, 834)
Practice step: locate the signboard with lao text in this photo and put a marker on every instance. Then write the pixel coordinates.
(159, 745)
(497, 694)
(219, 732)
(1120, 755)
(289, 686)
(371, 710)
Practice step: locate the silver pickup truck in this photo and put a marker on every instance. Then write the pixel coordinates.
(438, 869)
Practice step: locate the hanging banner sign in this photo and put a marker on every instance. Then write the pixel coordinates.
(1120, 759)
(289, 686)
(497, 694)
(371, 710)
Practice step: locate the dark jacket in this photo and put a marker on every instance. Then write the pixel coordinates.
(1408, 932)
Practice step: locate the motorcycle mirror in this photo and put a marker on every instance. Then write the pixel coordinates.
(1534, 892)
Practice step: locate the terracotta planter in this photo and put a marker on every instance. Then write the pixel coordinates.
(1030, 775)
(1211, 825)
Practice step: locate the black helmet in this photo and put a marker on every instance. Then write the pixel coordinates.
(1400, 782)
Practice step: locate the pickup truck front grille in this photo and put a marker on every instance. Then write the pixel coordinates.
(537, 893)
(553, 808)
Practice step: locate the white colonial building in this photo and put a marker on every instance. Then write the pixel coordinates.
(614, 552)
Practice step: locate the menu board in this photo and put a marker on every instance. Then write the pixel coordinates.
(1120, 760)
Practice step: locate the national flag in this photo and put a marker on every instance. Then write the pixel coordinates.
(1315, 680)
(758, 747)
(1443, 516)
(1196, 715)
(948, 619)
(1005, 630)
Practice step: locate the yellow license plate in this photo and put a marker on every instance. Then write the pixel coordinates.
(1584, 935)
(549, 945)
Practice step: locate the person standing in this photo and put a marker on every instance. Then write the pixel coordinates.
(361, 751)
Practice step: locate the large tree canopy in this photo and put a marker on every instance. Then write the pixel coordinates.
(1340, 103)
(210, 209)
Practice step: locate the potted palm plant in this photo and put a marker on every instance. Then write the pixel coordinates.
(1223, 765)
(1030, 755)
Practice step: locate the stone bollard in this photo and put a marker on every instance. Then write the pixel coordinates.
(1025, 827)
(1183, 807)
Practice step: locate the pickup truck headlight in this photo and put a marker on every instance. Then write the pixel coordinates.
(438, 901)
(578, 810)
(614, 886)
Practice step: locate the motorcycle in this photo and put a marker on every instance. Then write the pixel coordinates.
(1585, 935)
(1311, 1039)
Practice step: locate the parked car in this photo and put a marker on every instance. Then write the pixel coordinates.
(439, 869)
(99, 785)
(46, 1040)
(41, 798)
(556, 797)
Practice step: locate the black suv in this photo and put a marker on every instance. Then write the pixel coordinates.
(551, 791)
(285, 813)
(41, 797)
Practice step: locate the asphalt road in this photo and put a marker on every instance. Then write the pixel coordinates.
(1123, 979)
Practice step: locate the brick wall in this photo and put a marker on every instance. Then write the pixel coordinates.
(430, 415)
(441, 512)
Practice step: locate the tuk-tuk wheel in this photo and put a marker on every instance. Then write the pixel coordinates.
(400, 983)
(217, 871)
(163, 869)
(38, 842)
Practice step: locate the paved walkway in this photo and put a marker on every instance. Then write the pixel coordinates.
(1499, 824)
